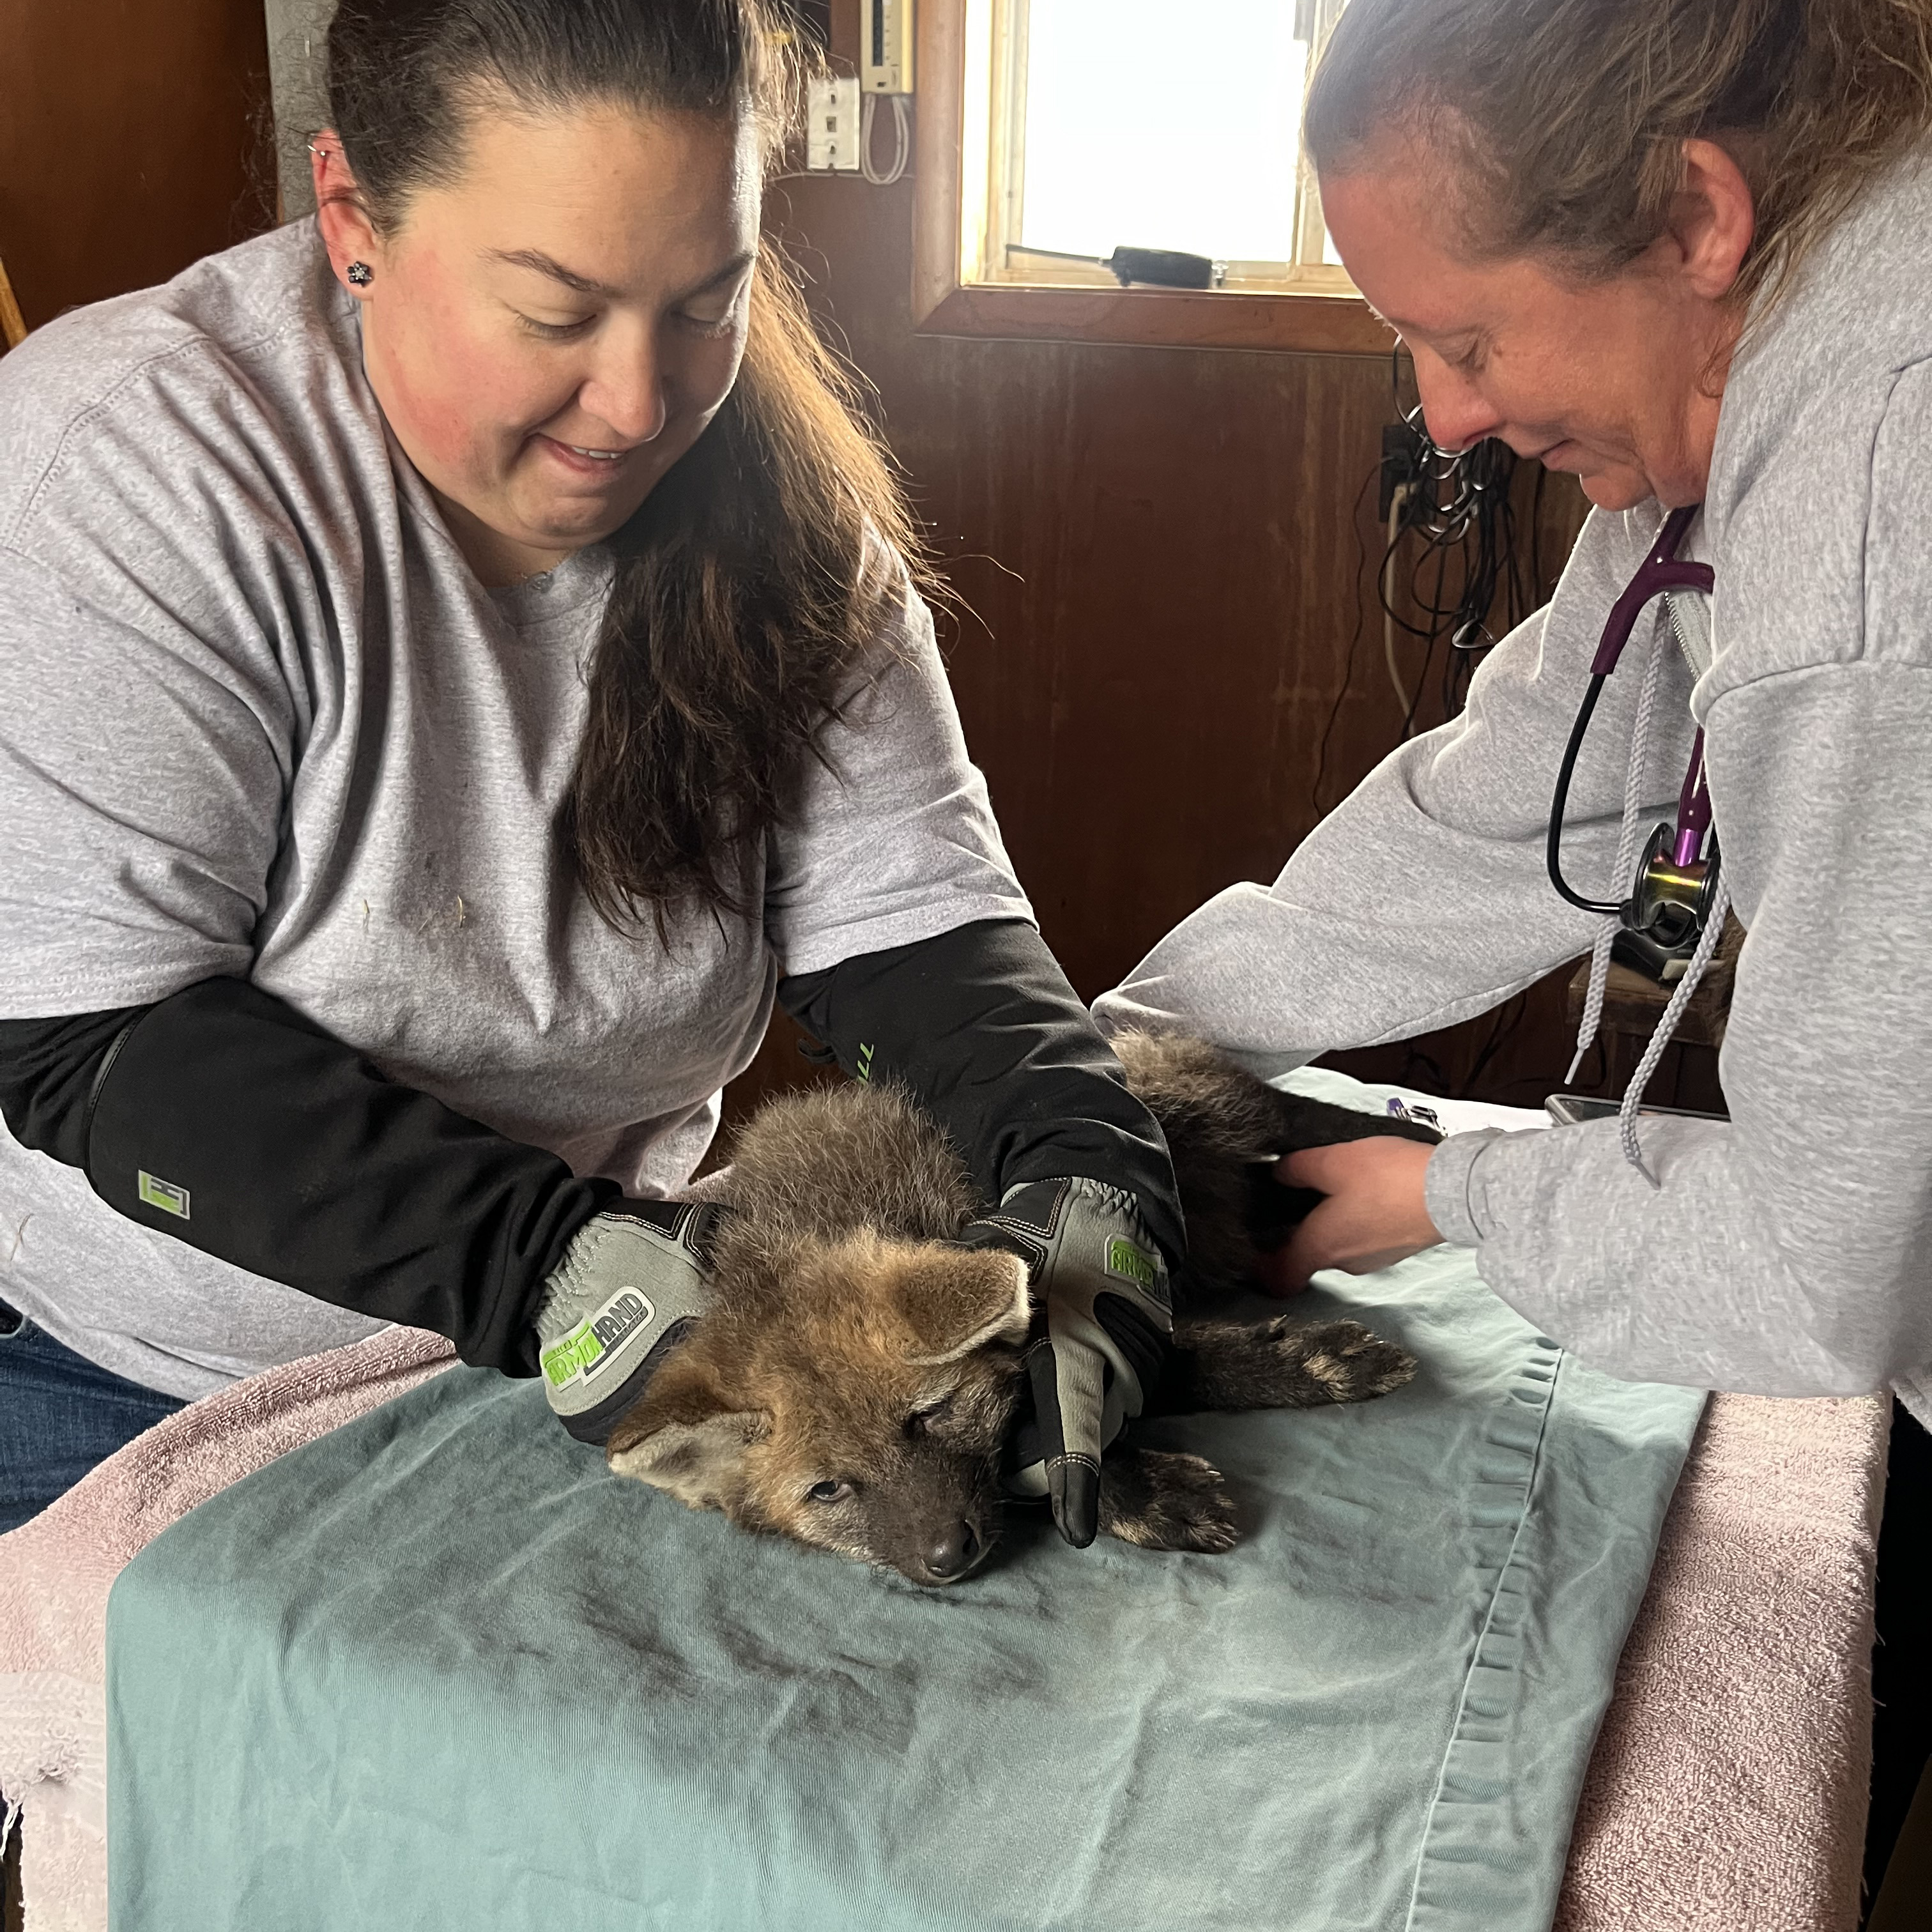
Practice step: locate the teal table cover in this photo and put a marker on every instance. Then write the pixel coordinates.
(439, 1668)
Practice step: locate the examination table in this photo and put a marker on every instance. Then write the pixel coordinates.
(437, 1668)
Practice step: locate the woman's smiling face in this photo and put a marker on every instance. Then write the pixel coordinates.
(1608, 376)
(550, 330)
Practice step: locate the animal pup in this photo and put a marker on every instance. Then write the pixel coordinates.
(855, 1384)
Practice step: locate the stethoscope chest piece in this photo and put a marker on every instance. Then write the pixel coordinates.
(1671, 905)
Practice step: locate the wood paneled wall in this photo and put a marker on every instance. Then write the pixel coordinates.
(1157, 553)
(133, 139)
(1162, 559)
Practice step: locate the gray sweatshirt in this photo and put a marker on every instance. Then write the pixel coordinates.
(259, 717)
(1788, 1251)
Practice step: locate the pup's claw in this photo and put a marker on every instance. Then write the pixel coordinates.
(1163, 1500)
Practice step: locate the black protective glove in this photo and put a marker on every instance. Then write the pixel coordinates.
(1101, 1319)
(631, 1284)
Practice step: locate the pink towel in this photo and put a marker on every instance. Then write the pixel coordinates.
(55, 1572)
(1727, 1791)
(1729, 1784)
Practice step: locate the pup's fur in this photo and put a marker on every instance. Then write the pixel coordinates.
(855, 1385)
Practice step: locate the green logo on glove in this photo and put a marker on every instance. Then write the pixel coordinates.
(1130, 1263)
(584, 1348)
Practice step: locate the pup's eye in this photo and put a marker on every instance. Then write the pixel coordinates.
(828, 1492)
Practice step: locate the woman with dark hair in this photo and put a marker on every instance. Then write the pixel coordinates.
(460, 660)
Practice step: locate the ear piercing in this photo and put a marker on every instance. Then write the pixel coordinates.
(359, 273)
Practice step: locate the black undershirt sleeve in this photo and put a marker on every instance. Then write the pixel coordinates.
(48, 1069)
(222, 1117)
(980, 1025)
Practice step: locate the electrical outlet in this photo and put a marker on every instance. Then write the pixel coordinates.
(885, 33)
(832, 126)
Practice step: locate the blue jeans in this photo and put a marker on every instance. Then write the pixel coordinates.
(59, 1415)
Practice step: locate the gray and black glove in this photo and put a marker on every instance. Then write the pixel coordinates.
(1101, 1319)
(631, 1284)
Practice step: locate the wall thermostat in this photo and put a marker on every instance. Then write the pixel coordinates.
(885, 65)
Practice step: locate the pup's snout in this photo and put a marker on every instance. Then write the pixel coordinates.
(951, 1553)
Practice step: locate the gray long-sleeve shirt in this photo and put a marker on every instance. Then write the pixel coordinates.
(259, 717)
(1788, 1251)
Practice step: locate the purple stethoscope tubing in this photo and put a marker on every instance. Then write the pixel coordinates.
(1661, 571)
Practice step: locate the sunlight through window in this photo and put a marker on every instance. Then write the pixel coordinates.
(1159, 126)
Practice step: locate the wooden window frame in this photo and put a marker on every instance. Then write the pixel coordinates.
(947, 300)
(13, 324)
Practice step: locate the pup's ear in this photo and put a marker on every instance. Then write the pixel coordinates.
(688, 1438)
(956, 1299)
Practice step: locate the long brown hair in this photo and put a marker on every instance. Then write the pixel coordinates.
(1562, 122)
(751, 585)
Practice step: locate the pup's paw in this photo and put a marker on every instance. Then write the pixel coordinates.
(1284, 1363)
(1163, 1500)
(1344, 1361)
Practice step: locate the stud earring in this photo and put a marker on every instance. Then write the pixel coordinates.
(360, 274)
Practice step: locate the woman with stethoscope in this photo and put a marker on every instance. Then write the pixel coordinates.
(1682, 248)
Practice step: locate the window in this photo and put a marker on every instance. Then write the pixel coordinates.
(1113, 134)
(1053, 131)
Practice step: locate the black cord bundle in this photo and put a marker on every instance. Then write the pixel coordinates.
(1460, 505)
(1467, 566)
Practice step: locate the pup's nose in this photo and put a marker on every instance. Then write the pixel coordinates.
(951, 1553)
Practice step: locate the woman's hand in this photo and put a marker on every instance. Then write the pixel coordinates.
(1103, 1319)
(1374, 1214)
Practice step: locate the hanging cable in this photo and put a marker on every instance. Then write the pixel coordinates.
(1454, 563)
(902, 139)
(1398, 503)
(1347, 677)
(1459, 503)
